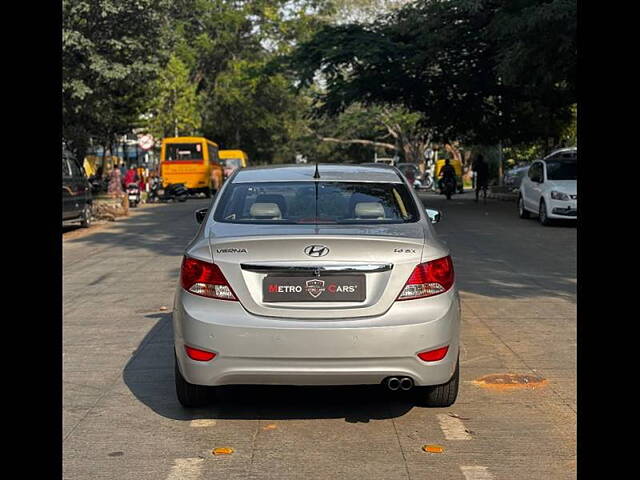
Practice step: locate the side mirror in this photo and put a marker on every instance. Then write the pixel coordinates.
(200, 214)
(434, 215)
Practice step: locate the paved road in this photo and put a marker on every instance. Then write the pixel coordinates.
(122, 419)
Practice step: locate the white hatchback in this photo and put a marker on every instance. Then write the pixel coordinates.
(550, 188)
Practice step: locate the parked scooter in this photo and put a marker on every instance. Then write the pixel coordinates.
(133, 192)
(172, 192)
(98, 184)
(427, 181)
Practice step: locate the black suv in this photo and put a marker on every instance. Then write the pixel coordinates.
(76, 192)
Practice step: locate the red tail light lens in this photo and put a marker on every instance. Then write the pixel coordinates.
(200, 355)
(434, 355)
(428, 279)
(205, 279)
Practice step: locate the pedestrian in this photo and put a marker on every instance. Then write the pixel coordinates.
(481, 169)
(123, 170)
(115, 183)
(216, 179)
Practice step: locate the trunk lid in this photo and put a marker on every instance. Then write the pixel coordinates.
(383, 256)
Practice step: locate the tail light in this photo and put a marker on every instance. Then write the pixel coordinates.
(428, 279)
(205, 279)
(200, 355)
(433, 355)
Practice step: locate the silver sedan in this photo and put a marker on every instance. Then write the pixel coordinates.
(317, 275)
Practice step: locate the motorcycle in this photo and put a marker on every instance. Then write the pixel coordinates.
(133, 192)
(172, 192)
(448, 187)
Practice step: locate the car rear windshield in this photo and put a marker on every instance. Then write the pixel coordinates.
(562, 169)
(316, 202)
(183, 151)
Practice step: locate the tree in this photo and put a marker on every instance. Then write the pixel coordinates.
(392, 129)
(226, 46)
(250, 109)
(111, 50)
(174, 107)
(449, 60)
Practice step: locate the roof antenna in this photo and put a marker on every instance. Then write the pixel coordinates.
(316, 176)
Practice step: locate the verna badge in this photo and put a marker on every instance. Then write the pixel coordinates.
(316, 250)
(314, 287)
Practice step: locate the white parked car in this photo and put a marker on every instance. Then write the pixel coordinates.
(550, 187)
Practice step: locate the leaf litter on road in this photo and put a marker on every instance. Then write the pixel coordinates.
(455, 415)
(222, 451)
(433, 448)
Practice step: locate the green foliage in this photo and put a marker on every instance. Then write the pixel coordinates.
(111, 49)
(453, 61)
(174, 106)
(250, 110)
(228, 46)
(479, 71)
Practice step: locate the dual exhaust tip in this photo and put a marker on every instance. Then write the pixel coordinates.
(399, 383)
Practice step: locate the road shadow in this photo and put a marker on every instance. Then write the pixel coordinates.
(161, 229)
(498, 255)
(149, 376)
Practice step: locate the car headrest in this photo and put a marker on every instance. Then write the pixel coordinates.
(273, 198)
(369, 210)
(265, 211)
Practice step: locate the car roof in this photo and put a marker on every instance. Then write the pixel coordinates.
(572, 151)
(328, 173)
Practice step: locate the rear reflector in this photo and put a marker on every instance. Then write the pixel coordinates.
(434, 355)
(205, 279)
(200, 355)
(428, 279)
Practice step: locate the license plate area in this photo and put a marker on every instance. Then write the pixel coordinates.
(327, 288)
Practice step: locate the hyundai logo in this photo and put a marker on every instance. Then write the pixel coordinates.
(316, 250)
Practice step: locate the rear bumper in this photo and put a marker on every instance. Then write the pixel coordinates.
(261, 350)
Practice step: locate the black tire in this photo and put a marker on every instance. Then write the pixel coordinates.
(182, 198)
(542, 214)
(440, 395)
(189, 395)
(207, 193)
(86, 216)
(522, 212)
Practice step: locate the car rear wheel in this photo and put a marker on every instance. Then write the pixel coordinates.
(440, 395)
(523, 212)
(190, 395)
(542, 214)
